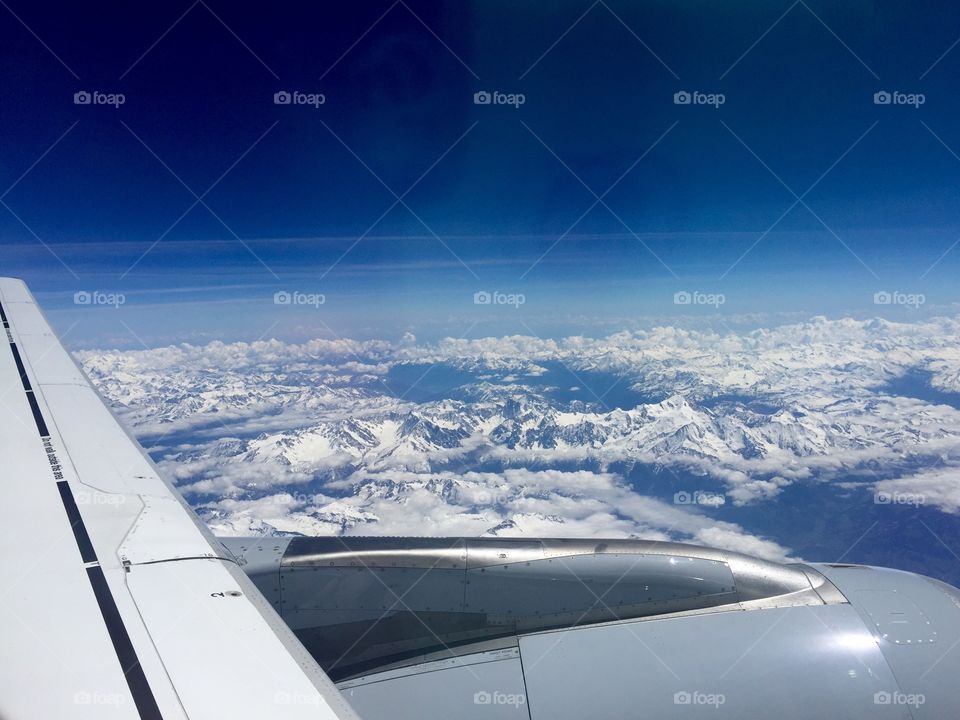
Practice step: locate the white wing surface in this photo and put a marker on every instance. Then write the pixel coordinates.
(116, 601)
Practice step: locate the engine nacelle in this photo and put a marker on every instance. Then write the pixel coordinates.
(554, 628)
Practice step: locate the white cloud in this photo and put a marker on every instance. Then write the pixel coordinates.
(937, 487)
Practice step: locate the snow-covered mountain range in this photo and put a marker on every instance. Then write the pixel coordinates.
(640, 433)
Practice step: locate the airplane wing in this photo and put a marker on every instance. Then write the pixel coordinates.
(116, 600)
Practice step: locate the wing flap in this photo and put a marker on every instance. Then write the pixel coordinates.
(215, 606)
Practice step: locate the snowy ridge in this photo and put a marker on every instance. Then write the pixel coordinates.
(326, 437)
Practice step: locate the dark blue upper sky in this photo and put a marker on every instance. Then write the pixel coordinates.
(492, 197)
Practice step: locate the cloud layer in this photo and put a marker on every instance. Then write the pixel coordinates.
(523, 435)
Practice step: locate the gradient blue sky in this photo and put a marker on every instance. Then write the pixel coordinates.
(304, 199)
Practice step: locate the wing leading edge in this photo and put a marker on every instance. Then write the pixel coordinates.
(118, 601)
